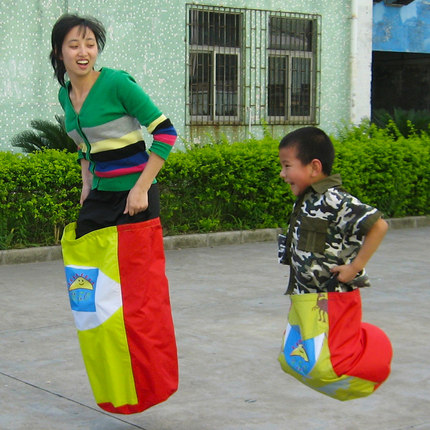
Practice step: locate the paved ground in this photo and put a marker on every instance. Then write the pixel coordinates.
(230, 312)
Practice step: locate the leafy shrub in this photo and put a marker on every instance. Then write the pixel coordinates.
(217, 187)
(224, 187)
(403, 122)
(38, 195)
(390, 174)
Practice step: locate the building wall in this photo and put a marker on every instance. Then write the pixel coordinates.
(360, 60)
(401, 57)
(147, 38)
(402, 29)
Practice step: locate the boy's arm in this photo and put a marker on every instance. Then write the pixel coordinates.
(348, 272)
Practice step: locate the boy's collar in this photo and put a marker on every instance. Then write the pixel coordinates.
(328, 182)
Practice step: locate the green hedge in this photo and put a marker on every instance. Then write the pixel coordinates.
(217, 187)
(224, 187)
(392, 174)
(38, 196)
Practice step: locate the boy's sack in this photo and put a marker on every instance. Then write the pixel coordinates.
(119, 297)
(327, 347)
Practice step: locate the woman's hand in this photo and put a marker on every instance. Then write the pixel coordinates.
(87, 180)
(137, 201)
(84, 193)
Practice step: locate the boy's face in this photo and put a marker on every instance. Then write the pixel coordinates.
(293, 172)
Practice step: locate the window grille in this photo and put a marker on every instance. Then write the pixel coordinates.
(291, 88)
(214, 61)
(249, 66)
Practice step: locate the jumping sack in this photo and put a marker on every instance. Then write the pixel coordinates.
(327, 347)
(120, 302)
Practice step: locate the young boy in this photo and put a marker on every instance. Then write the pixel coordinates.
(331, 237)
(328, 225)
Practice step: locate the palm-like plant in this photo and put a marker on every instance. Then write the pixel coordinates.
(46, 135)
(407, 122)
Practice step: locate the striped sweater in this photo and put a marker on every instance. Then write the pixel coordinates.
(108, 131)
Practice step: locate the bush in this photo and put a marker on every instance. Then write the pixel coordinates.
(403, 122)
(390, 174)
(38, 196)
(217, 187)
(224, 187)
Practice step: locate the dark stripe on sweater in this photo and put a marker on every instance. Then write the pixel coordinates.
(163, 125)
(117, 154)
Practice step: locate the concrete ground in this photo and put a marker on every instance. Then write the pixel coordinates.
(229, 312)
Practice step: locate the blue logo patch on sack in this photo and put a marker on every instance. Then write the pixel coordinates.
(81, 284)
(299, 354)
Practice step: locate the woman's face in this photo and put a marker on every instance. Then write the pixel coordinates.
(79, 52)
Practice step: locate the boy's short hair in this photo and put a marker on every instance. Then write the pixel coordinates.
(311, 143)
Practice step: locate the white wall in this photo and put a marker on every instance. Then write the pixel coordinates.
(361, 59)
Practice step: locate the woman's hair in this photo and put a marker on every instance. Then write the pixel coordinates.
(311, 143)
(61, 28)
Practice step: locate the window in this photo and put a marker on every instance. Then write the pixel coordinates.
(214, 61)
(249, 66)
(291, 95)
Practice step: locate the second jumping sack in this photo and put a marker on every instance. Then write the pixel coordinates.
(120, 301)
(327, 347)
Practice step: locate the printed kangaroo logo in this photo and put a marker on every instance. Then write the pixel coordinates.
(321, 307)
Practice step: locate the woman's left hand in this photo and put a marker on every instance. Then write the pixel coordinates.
(137, 201)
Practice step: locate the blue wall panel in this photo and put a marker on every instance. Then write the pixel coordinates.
(402, 29)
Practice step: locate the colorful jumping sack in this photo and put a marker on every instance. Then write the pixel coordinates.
(119, 297)
(328, 348)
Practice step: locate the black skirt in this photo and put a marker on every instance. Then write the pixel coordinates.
(105, 209)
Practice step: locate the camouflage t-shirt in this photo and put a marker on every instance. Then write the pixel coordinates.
(327, 228)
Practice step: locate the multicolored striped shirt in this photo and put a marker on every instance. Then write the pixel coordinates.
(107, 130)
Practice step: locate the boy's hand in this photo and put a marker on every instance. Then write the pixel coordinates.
(345, 273)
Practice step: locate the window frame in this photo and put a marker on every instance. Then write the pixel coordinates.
(214, 51)
(251, 42)
(290, 55)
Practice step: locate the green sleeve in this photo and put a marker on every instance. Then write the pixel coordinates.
(135, 101)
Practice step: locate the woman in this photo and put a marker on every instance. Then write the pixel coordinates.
(114, 254)
(103, 112)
